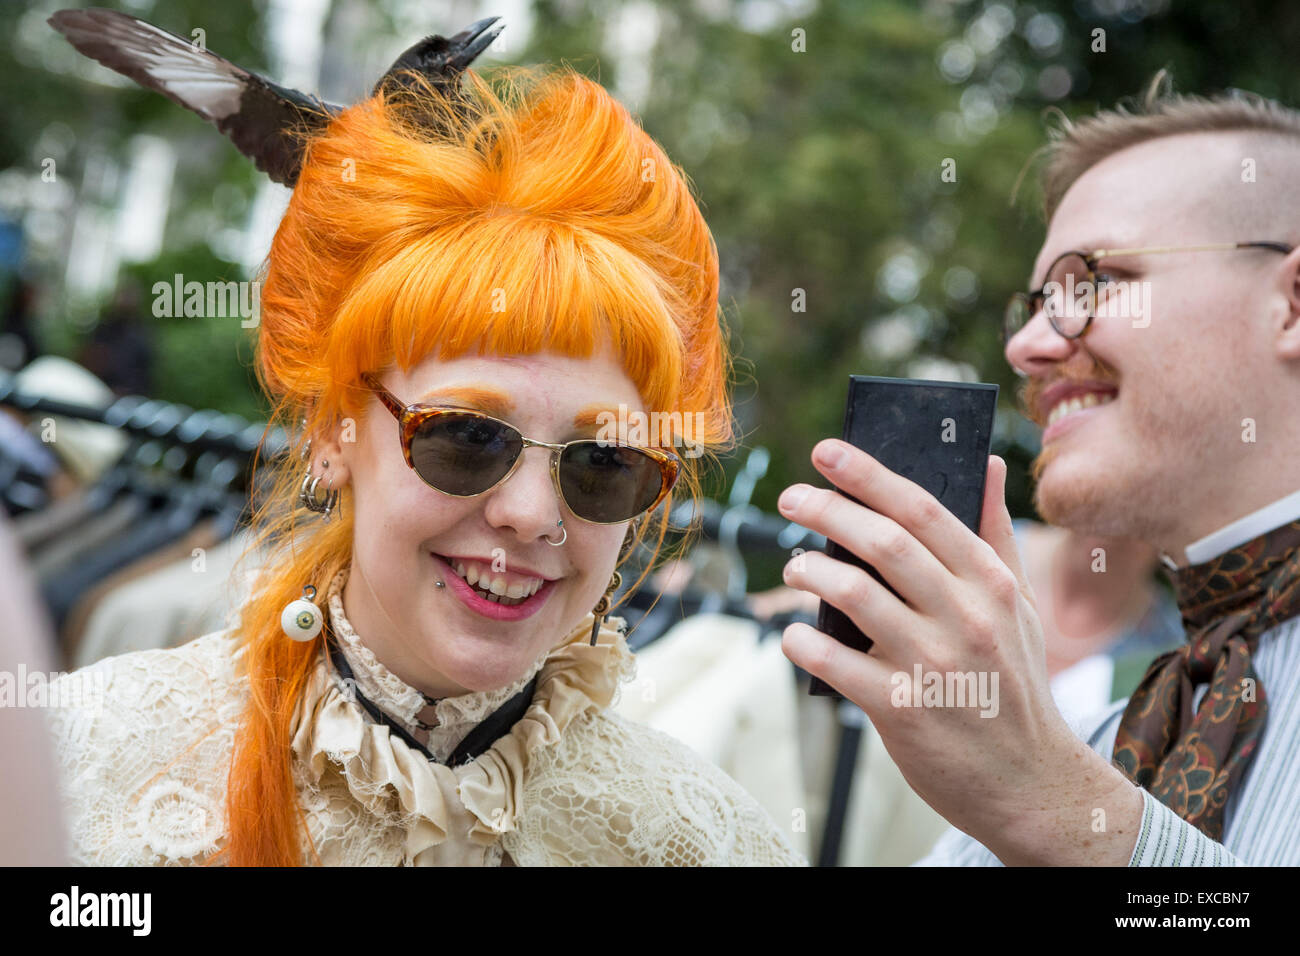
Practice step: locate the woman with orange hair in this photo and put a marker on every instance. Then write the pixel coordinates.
(463, 288)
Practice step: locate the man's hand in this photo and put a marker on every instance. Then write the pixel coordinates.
(1017, 779)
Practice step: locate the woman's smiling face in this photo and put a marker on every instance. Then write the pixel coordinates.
(407, 536)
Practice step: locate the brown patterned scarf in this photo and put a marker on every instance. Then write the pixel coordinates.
(1192, 761)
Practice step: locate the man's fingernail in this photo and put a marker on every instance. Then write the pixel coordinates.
(792, 496)
(830, 455)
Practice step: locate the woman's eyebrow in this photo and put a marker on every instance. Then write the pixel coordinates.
(490, 401)
(591, 416)
(496, 403)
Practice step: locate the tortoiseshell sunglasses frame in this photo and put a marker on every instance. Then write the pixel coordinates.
(410, 418)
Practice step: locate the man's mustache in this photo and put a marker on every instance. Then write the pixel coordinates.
(1030, 395)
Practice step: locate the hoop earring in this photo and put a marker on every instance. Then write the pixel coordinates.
(559, 524)
(307, 493)
(333, 497)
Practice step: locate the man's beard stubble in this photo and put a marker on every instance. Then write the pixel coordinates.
(1087, 508)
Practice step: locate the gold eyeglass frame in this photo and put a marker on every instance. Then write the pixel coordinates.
(1032, 302)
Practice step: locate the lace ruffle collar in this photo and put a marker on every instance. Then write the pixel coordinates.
(474, 803)
(452, 717)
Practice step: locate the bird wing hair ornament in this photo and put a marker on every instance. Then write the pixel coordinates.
(263, 119)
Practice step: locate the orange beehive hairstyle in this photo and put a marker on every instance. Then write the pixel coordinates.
(536, 216)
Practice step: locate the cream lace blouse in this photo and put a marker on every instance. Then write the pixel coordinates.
(144, 759)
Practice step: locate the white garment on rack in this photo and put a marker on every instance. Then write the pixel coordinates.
(170, 606)
(886, 823)
(87, 449)
(711, 684)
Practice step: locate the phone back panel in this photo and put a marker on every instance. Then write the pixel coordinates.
(936, 434)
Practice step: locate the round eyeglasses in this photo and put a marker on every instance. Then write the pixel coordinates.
(1074, 289)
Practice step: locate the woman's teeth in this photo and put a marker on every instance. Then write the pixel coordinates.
(1078, 403)
(492, 586)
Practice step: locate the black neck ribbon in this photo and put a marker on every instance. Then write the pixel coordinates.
(495, 726)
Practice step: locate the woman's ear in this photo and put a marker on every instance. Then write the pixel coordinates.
(332, 447)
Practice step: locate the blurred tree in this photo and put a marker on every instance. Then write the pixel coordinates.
(63, 106)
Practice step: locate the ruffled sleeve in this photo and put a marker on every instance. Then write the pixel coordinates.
(142, 742)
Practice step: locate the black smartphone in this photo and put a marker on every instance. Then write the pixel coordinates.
(936, 434)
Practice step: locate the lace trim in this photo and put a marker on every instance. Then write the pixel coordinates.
(330, 728)
(452, 717)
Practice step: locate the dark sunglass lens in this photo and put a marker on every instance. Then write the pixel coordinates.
(464, 454)
(608, 483)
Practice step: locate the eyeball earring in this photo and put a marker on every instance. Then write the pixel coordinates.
(301, 620)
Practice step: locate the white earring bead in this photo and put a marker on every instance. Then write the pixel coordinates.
(301, 620)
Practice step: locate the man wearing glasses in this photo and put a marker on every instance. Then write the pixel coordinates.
(1161, 351)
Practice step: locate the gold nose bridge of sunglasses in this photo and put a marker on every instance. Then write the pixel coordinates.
(552, 466)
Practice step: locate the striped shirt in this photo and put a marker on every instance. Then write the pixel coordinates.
(1262, 817)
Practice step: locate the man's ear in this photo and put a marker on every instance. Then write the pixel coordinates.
(1288, 333)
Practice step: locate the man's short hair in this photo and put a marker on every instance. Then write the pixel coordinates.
(1076, 146)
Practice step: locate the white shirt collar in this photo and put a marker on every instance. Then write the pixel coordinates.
(1243, 529)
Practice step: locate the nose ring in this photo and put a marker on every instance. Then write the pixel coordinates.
(559, 524)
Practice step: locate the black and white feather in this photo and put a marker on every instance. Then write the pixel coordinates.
(266, 121)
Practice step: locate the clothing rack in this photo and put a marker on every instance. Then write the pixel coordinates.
(740, 528)
(148, 418)
(180, 470)
(746, 527)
